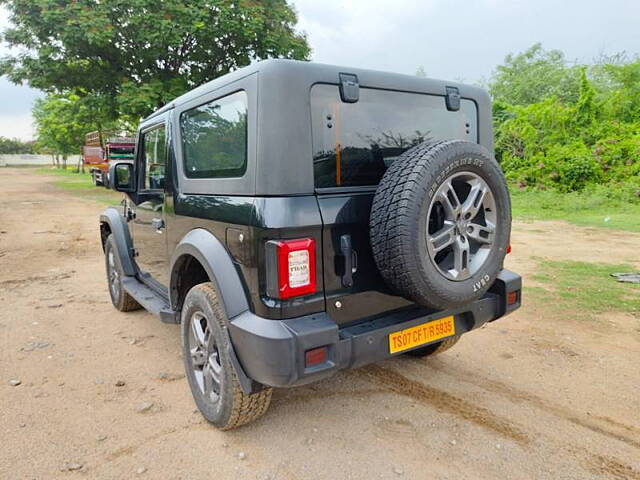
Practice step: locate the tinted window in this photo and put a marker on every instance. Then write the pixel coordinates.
(214, 138)
(155, 153)
(354, 143)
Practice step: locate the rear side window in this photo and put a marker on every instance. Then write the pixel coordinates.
(214, 138)
(354, 143)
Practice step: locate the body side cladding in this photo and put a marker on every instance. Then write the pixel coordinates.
(120, 231)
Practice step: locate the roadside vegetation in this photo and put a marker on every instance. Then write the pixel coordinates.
(80, 184)
(568, 137)
(595, 206)
(584, 289)
(15, 146)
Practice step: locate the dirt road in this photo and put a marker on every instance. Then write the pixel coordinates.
(102, 395)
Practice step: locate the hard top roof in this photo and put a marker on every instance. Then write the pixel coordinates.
(281, 68)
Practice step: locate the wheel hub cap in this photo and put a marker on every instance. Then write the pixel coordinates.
(114, 278)
(205, 358)
(461, 226)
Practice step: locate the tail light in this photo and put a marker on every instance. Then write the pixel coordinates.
(291, 267)
(509, 249)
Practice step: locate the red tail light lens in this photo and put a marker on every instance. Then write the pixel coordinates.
(509, 249)
(296, 260)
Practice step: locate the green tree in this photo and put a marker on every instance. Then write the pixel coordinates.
(15, 145)
(620, 91)
(62, 121)
(140, 54)
(533, 75)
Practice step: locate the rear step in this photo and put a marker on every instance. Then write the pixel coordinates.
(150, 300)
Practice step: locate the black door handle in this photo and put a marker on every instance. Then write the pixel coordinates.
(349, 260)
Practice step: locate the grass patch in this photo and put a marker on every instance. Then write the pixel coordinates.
(598, 206)
(585, 287)
(80, 184)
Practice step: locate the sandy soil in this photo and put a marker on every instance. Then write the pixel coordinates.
(531, 396)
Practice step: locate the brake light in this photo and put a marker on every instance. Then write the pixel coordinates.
(509, 249)
(296, 263)
(512, 298)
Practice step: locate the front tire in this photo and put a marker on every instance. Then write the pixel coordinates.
(96, 182)
(119, 296)
(211, 375)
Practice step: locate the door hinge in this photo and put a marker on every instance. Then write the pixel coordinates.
(349, 88)
(453, 99)
(134, 252)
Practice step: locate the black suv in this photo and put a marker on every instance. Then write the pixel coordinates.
(299, 218)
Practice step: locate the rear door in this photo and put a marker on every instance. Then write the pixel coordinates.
(353, 144)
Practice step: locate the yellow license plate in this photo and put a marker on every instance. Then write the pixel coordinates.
(421, 334)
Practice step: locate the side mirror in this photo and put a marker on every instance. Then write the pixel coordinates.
(121, 177)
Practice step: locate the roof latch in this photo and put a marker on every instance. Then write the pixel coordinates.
(453, 99)
(349, 88)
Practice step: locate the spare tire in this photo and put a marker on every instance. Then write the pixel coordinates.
(440, 223)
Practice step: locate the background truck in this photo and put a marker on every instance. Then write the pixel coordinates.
(100, 148)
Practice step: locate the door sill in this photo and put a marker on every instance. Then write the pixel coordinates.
(150, 299)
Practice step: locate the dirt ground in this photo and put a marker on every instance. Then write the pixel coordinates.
(102, 394)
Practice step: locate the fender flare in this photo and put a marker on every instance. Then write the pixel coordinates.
(217, 263)
(213, 256)
(120, 231)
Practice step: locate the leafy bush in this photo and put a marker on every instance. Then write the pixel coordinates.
(570, 140)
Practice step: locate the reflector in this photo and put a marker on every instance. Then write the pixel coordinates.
(315, 356)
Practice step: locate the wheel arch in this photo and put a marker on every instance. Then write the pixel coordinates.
(112, 222)
(199, 253)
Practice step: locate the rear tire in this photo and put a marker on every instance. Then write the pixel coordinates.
(119, 296)
(211, 375)
(435, 348)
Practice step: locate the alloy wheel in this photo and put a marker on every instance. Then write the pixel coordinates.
(205, 357)
(113, 274)
(461, 226)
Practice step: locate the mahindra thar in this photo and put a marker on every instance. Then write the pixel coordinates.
(296, 219)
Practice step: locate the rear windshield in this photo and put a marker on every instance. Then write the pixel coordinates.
(354, 143)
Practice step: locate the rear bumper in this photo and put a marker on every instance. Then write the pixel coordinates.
(272, 352)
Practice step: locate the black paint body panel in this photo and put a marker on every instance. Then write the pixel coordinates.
(226, 223)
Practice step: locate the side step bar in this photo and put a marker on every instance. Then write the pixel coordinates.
(150, 300)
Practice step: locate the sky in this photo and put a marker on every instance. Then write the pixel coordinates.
(451, 39)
